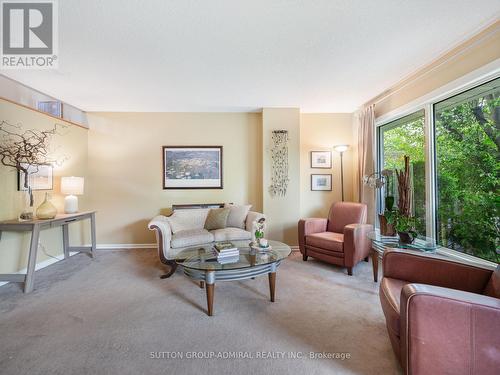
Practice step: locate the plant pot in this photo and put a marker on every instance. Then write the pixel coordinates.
(386, 229)
(406, 237)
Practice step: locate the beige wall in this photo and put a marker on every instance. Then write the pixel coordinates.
(470, 55)
(283, 212)
(71, 144)
(322, 131)
(125, 166)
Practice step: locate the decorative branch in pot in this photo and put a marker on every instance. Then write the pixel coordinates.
(25, 150)
(404, 221)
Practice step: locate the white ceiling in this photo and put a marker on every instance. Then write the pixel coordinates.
(230, 55)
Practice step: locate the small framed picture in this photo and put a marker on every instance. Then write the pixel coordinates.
(321, 182)
(321, 159)
(40, 177)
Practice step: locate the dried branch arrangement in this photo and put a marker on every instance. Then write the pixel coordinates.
(22, 149)
(404, 189)
(279, 163)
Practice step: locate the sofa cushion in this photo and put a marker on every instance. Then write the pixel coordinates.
(237, 215)
(191, 237)
(231, 234)
(216, 218)
(345, 213)
(390, 296)
(187, 219)
(493, 287)
(326, 240)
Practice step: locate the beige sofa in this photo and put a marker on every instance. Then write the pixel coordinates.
(185, 228)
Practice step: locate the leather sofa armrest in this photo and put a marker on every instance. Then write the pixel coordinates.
(163, 233)
(310, 226)
(449, 331)
(251, 217)
(356, 243)
(434, 270)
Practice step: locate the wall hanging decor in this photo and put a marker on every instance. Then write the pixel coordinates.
(279, 163)
(192, 167)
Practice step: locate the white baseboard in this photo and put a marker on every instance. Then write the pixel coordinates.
(39, 266)
(117, 246)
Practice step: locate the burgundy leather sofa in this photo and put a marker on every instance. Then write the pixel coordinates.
(340, 239)
(442, 317)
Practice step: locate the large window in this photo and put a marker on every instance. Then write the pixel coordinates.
(405, 136)
(461, 202)
(467, 141)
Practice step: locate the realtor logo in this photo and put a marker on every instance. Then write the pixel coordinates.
(29, 34)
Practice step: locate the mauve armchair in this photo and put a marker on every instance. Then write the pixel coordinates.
(340, 239)
(442, 317)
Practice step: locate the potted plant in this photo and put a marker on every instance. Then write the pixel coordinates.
(379, 180)
(405, 226)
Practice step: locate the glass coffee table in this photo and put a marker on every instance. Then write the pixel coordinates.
(381, 243)
(200, 263)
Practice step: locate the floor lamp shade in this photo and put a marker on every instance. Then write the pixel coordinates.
(71, 187)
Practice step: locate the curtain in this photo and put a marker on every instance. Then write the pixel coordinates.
(366, 160)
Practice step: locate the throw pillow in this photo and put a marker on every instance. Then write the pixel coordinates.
(187, 219)
(237, 215)
(217, 218)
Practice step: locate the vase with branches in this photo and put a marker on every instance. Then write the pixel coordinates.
(25, 150)
(402, 219)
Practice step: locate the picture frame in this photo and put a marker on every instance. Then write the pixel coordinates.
(321, 159)
(192, 167)
(41, 179)
(321, 182)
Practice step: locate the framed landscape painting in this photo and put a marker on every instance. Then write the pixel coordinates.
(192, 167)
(321, 159)
(321, 182)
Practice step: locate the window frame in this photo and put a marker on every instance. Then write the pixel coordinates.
(426, 103)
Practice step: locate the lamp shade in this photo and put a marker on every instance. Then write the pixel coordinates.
(341, 148)
(72, 185)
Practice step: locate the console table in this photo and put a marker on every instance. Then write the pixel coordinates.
(35, 226)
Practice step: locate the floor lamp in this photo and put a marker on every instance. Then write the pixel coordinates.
(341, 149)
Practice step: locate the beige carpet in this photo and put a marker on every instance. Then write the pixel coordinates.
(107, 316)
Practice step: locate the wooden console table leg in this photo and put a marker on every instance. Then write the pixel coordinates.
(209, 287)
(272, 284)
(30, 273)
(374, 255)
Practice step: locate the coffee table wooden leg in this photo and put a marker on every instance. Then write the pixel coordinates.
(272, 284)
(374, 255)
(209, 287)
(202, 284)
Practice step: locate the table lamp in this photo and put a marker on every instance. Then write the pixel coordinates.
(341, 149)
(71, 187)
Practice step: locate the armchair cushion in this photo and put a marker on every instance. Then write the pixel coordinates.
(345, 213)
(191, 237)
(326, 240)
